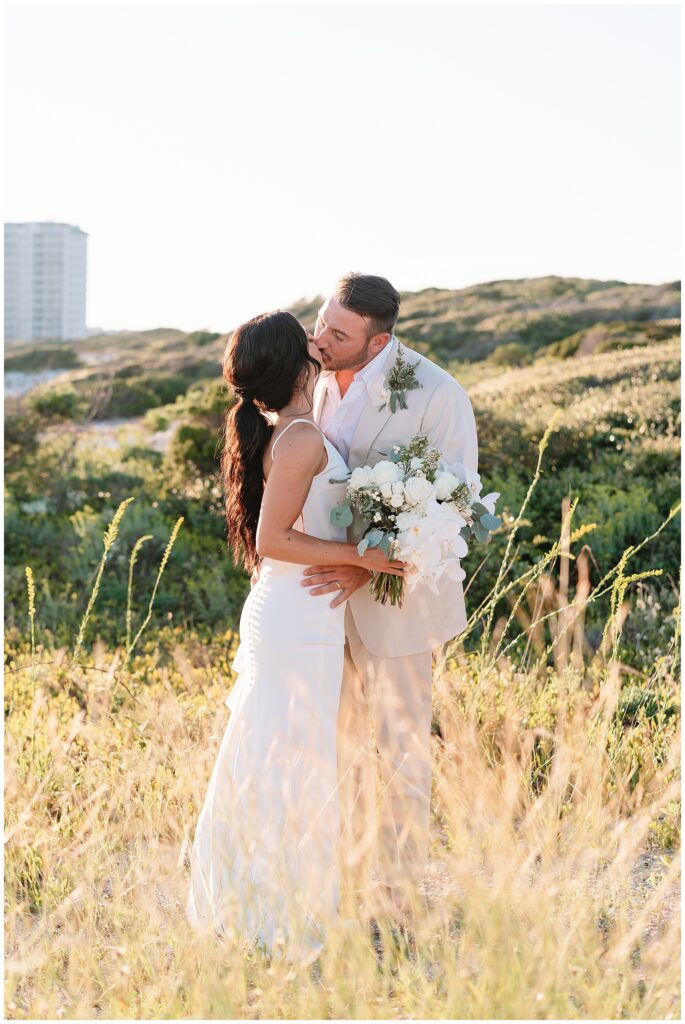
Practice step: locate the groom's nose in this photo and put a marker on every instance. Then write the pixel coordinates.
(320, 340)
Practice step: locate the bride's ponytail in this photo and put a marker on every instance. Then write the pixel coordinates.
(266, 361)
(247, 435)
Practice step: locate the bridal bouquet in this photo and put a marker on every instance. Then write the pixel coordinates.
(418, 510)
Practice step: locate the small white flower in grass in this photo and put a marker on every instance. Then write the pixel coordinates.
(377, 517)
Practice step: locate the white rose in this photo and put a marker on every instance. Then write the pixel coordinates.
(397, 501)
(416, 463)
(445, 483)
(361, 477)
(386, 473)
(417, 490)
(377, 391)
(398, 487)
(386, 491)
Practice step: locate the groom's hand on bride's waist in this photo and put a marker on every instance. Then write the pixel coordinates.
(341, 580)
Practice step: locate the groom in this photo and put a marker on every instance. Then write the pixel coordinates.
(388, 651)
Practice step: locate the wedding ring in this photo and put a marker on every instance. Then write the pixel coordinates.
(338, 584)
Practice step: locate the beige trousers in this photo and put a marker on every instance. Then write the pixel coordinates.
(384, 725)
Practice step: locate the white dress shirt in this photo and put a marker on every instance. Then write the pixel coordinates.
(339, 416)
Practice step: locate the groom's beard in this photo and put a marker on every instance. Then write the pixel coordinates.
(351, 362)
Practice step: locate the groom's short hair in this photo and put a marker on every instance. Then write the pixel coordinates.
(372, 297)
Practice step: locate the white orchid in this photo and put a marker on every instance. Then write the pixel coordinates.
(407, 519)
(489, 501)
(468, 476)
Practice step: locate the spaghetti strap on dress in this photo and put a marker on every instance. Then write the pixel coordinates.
(292, 422)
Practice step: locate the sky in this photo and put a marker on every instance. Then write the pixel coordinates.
(227, 160)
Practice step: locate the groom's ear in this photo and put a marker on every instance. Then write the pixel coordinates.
(378, 342)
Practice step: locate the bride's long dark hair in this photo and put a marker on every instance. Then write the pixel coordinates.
(266, 360)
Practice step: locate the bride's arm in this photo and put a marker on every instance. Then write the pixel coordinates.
(290, 476)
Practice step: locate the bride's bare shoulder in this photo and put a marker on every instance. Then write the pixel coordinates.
(299, 446)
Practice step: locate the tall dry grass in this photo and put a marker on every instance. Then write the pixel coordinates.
(552, 885)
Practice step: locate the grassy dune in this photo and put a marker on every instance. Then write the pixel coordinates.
(552, 886)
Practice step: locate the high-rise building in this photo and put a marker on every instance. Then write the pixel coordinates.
(45, 281)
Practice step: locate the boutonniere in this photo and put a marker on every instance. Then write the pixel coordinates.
(392, 390)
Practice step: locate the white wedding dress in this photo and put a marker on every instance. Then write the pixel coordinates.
(264, 859)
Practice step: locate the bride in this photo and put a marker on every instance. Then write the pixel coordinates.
(264, 858)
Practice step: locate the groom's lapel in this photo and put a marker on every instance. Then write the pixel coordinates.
(371, 421)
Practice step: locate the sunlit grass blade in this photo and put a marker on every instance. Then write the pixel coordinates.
(129, 592)
(31, 593)
(162, 566)
(110, 537)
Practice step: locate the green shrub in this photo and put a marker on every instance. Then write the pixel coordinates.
(59, 403)
(201, 338)
(195, 447)
(57, 357)
(128, 398)
(515, 353)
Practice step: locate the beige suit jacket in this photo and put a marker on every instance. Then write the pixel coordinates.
(441, 409)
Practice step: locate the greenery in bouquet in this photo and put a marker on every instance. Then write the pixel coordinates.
(418, 509)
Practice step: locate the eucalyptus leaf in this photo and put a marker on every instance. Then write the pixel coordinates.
(374, 538)
(478, 509)
(481, 534)
(384, 545)
(402, 395)
(465, 533)
(362, 545)
(490, 522)
(342, 515)
(393, 402)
